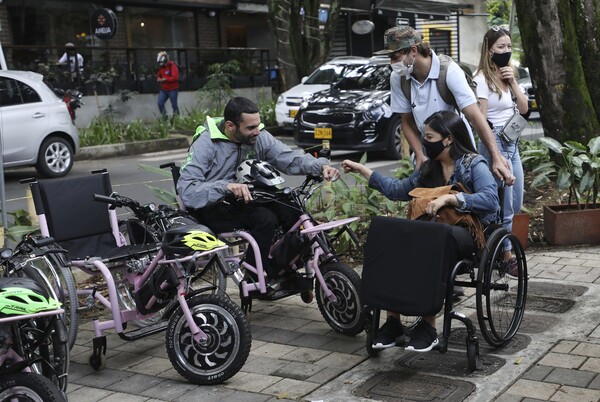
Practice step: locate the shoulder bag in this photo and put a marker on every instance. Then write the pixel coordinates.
(513, 129)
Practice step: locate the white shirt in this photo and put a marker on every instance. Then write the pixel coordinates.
(72, 61)
(426, 98)
(499, 108)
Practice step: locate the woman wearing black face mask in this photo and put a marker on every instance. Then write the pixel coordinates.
(452, 159)
(499, 97)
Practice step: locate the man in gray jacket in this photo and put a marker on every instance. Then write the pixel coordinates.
(209, 175)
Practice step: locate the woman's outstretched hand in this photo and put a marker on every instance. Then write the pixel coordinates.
(355, 167)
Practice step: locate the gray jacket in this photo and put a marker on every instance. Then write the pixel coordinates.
(213, 159)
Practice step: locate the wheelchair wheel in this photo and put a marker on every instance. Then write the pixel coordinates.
(57, 277)
(44, 339)
(345, 314)
(29, 387)
(500, 297)
(227, 347)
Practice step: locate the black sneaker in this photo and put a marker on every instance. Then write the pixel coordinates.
(387, 334)
(423, 338)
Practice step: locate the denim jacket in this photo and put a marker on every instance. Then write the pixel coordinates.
(471, 170)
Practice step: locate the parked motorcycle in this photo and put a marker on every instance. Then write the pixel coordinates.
(72, 98)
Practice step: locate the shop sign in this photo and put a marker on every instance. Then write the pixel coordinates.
(103, 23)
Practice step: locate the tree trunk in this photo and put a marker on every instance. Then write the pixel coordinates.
(301, 44)
(556, 36)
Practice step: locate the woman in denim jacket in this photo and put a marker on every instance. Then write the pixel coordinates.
(452, 159)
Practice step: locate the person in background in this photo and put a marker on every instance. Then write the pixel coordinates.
(499, 98)
(451, 158)
(168, 78)
(73, 61)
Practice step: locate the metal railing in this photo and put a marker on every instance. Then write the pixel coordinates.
(113, 69)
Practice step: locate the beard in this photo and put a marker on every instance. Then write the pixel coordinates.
(251, 140)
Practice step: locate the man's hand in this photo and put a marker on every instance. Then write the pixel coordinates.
(330, 173)
(240, 191)
(501, 168)
(419, 160)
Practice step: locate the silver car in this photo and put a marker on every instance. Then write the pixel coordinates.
(37, 129)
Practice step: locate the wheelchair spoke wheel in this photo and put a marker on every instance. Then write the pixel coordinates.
(225, 351)
(501, 296)
(44, 339)
(345, 314)
(57, 277)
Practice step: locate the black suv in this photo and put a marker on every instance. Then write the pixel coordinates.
(354, 114)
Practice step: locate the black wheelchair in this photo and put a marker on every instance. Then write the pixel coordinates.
(411, 268)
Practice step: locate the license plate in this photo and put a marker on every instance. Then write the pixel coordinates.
(323, 133)
(534, 104)
(293, 113)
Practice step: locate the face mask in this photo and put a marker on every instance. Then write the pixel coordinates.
(402, 69)
(433, 149)
(501, 59)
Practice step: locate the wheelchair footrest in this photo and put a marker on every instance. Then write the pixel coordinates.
(144, 331)
(280, 294)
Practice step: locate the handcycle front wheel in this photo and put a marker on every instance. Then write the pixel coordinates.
(500, 297)
(29, 387)
(345, 314)
(225, 351)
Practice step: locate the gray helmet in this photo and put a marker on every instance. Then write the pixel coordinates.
(253, 171)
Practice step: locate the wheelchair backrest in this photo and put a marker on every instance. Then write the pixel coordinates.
(77, 222)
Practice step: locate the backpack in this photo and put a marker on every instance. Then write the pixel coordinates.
(445, 93)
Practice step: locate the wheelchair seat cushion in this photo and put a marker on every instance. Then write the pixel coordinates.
(406, 265)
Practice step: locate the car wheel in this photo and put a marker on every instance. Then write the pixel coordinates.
(394, 139)
(55, 158)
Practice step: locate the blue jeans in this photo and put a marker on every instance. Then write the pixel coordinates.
(162, 99)
(513, 195)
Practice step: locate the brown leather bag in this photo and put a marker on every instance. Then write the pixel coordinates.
(422, 196)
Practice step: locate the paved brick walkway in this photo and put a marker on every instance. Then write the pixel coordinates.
(296, 356)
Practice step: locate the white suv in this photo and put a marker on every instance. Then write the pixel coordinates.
(37, 129)
(322, 78)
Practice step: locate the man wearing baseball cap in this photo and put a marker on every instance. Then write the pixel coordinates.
(413, 59)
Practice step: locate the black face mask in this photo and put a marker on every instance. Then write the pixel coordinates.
(433, 149)
(501, 59)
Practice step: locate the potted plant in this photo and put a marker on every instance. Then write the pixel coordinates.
(576, 168)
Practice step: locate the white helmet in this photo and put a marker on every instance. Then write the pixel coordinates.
(253, 171)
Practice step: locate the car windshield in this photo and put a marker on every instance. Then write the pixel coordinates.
(365, 77)
(325, 74)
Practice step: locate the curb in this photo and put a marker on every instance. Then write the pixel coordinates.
(175, 141)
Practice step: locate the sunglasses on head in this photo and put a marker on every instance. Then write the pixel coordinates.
(497, 28)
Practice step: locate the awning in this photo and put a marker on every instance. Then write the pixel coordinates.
(421, 6)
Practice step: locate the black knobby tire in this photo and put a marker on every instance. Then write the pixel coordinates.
(53, 349)
(29, 387)
(60, 279)
(345, 315)
(394, 139)
(55, 158)
(227, 347)
(500, 298)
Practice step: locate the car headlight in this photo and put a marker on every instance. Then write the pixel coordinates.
(280, 99)
(368, 104)
(303, 105)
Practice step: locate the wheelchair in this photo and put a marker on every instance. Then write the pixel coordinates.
(411, 268)
(207, 337)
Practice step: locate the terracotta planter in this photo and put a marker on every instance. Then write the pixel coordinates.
(520, 228)
(565, 225)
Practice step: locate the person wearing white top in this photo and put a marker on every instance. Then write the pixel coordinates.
(412, 57)
(499, 97)
(72, 59)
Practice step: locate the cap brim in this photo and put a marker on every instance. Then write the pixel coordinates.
(384, 52)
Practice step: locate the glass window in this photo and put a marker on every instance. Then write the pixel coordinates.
(9, 92)
(28, 94)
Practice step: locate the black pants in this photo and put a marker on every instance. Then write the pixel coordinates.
(261, 220)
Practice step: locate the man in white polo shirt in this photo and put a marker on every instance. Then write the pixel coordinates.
(412, 57)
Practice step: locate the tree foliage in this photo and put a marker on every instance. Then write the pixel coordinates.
(499, 11)
(560, 40)
(302, 42)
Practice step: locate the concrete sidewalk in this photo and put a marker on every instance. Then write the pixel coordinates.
(296, 356)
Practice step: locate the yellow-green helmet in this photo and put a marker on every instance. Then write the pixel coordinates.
(185, 240)
(20, 296)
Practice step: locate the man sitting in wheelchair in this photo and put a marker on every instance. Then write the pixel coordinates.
(208, 177)
(452, 159)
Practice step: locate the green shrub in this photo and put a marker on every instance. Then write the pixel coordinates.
(105, 130)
